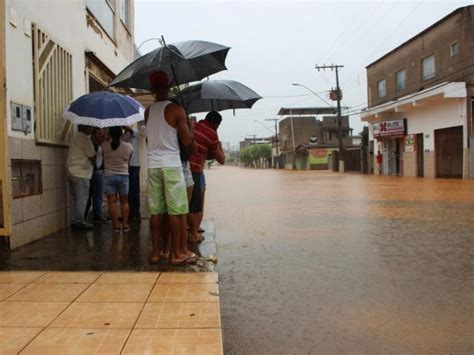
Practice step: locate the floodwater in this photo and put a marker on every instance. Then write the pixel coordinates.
(320, 262)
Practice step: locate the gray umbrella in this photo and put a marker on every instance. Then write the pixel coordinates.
(217, 95)
(184, 62)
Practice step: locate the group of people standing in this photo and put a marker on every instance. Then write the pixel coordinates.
(177, 149)
(104, 161)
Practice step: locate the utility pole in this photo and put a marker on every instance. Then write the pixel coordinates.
(276, 131)
(336, 95)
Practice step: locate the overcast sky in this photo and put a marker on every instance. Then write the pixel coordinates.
(276, 43)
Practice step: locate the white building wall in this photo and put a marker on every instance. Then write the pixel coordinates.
(426, 120)
(65, 21)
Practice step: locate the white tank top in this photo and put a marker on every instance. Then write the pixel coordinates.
(163, 147)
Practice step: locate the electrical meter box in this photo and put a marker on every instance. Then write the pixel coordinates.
(21, 118)
(17, 114)
(26, 111)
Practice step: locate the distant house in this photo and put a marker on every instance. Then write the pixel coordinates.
(307, 142)
(53, 53)
(421, 102)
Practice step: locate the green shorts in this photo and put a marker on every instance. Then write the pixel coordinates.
(167, 191)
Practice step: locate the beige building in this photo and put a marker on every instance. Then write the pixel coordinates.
(420, 102)
(53, 52)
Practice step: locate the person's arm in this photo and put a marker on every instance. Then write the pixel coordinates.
(147, 113)
(183, 129)
(220, 156)
(89, 150)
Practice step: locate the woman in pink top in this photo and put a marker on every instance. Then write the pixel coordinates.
(116, 157)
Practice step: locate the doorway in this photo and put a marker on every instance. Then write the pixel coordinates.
(420, 152)
(394, 157)
(449, 152)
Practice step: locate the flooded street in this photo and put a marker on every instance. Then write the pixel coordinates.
(318, 262)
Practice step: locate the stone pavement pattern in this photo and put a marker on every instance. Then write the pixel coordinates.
(109, 312)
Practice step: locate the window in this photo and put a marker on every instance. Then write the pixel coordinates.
(401, 79)
(428, 67)
(382, 88)
(53, 88)
(124, 12)
(103, 13)
(454, 49)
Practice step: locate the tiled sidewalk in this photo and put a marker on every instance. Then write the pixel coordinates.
(109, 312)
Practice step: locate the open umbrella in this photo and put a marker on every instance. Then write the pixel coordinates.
(104, 109)
(217, 95)
(183, 62)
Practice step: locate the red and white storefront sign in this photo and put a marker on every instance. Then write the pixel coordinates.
(389, 128)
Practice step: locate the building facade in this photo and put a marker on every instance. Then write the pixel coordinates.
(53, 54)
(420, 102)
(306, 142)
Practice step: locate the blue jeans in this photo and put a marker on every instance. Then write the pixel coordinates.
(134, 191)
(116, 184)
(79, 191)
(96, 192)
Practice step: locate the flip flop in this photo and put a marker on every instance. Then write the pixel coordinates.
(191, 259)
(196, 241)
(179, 262)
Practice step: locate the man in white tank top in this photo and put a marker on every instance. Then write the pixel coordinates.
(166, 185)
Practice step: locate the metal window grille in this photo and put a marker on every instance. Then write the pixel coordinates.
(53, 88)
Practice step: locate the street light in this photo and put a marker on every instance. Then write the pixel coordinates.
(160, 40)
(311, 91)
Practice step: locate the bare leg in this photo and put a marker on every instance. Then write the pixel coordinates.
(165, 232)
(112, 200)
(194, 226)
(155, 226)
(176, 229)
(184, 236)
(201, 214)
(125, 209)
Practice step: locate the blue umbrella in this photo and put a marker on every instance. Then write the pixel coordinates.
(104, 109)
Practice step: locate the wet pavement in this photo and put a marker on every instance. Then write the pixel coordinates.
(319, 262)
(103, 250)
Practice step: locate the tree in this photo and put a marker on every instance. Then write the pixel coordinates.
(254, 155)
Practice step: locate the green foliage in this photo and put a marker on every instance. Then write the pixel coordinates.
(253, 154)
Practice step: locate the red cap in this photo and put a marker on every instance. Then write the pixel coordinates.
(159, 79)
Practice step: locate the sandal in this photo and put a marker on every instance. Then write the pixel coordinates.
(191, 259)
(190, 239)
(126, 228)
(117, 229)
(178, 262)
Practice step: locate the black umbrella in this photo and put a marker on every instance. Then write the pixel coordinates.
(183, 62)
(217, 95)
